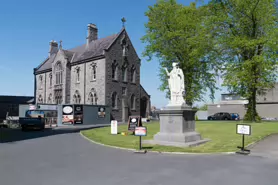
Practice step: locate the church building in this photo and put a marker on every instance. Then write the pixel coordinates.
(103, 71)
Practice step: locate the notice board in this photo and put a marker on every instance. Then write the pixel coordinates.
(134, 121)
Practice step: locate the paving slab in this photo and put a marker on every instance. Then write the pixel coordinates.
(268, 147)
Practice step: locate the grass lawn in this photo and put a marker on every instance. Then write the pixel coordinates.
(222, 134)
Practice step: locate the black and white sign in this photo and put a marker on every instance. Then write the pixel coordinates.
(134, 121)
(67, 109)
(243, 129)
(78, 114)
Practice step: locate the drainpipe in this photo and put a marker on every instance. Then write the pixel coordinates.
(84, 82)
(35, 85)
(45, 87)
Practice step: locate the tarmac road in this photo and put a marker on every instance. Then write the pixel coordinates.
(65, 158)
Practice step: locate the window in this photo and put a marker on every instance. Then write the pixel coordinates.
(133, 74)
(94, 75)
(59, 73)
(124, 90)
(114, 70)
(124, 71)
(49, 100)
(132, 102)
(93, 97)
(50, 80)
(76, 97)
(93, 71)
(40, 100)
(58, 96)
(114, 100)
(41, 82)
(77, 70)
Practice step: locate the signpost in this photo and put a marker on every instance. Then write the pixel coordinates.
(101, 112)
(243, 130)
(134, 121)
(114, 127)
(140, 131)
(68, 114)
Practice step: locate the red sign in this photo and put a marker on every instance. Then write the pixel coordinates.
(140, 131)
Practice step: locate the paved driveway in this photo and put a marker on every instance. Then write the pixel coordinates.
(68, 159)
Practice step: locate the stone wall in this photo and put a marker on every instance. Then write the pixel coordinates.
(115, 53)
(86, 83)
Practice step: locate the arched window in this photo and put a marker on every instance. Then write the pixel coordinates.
(40, 100)
(93, 71)
(77, 74)
(50, 79)
(114, 70)
(41, 82)
(49, 99)
(93, 97)
(124, 73)
(58, 96)
(133, 74)
(76, 97)
(114, 100)
(132, 102)
(59, 73)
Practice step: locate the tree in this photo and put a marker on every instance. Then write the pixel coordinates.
(176, 33)
(204, 107)
(246, 36)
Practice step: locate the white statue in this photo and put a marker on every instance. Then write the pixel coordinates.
(176, 85)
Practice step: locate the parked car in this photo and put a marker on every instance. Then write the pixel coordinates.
(32, 123)
(235, 116)
(34, 119)
(220, 116)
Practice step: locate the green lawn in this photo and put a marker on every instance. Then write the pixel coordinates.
(222, 134)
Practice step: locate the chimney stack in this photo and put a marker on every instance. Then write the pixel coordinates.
(92, 33)
(53, 47)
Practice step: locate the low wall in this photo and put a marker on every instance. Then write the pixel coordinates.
(202, 115)
(230, 108)
(268, 110)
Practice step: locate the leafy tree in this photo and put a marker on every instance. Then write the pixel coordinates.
(246, 35)
(176, 33)
(204, 107)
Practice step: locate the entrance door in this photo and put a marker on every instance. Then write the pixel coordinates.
(143, 107)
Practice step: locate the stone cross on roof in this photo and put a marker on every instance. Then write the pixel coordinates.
(123, 21)
(60, 47)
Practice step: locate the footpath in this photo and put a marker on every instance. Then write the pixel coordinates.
(268, 147)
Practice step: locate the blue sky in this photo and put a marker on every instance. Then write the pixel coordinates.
(28, 26)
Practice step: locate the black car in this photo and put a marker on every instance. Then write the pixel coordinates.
(220, 116)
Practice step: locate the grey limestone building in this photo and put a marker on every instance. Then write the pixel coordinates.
(102, 71)
(267, 104)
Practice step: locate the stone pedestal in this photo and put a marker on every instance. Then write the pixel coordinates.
(177, 128)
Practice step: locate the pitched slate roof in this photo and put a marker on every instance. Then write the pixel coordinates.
(82, 52)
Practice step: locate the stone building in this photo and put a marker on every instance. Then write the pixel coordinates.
(267, 104)
(102, 71)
